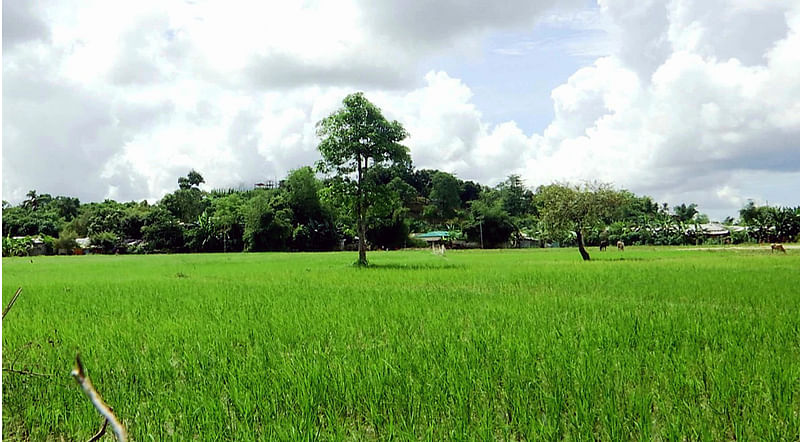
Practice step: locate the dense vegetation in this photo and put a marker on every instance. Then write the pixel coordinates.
(370, 191)
(304, 213)
(646, 344)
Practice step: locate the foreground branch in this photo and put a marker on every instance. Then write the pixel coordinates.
(83, 379)
(11, 303)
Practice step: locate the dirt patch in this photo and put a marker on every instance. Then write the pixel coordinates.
(765, 248)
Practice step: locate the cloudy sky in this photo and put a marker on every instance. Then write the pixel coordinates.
(683, 100)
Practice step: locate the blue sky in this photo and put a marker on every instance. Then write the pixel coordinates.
(517, 85)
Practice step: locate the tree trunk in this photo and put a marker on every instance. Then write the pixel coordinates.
(581, 248)
(360, 215)
(362, 245)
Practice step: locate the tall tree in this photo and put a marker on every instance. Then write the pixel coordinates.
(192, 180)
(567, 207)
(35, 201)
(355, 138)
(188, 202)
(517, 201)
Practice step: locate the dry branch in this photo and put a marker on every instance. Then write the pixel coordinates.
(26, 372)
(83, 379)
(11, 303)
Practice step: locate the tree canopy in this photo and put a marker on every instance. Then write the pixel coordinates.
(576, 208)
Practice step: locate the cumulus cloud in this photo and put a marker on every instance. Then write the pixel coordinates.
(682, 111)
(117, 100)
(695, 101)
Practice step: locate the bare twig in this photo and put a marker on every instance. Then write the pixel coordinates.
(11, 303)
(18, 353)
(27, 372)
(101, 432)
(86, 384)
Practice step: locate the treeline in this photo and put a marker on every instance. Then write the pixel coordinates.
(305, 213)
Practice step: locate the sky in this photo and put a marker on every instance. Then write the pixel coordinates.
(681, 100)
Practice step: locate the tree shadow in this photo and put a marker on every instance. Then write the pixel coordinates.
(622, 259)
(426, 266)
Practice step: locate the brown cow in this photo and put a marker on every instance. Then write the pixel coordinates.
(778, 247)
(620, 246)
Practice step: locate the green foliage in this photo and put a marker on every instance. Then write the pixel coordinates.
(108, 242)
(185, 204)
(302, 189)
(351, 137)
(517, 200)
(133, 220)
(190, 181)
(313, 227)
(203, 235)
(579, 209)
(162, 231)
(66, 241)
(268, 223)
(357, 133)
(20, 221)
(422, 181)
(35, 201)
(387, 199)
(228, 220)
(445, 196)
(771, 223)
(490, 224)
(17, 247)
(389, 233)
(105, 217)
(684, 213)
(470, 191)
(576, 208)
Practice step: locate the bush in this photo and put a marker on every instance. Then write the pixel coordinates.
(107, 241)
(49, 245)
(65, 241)
(740, 237)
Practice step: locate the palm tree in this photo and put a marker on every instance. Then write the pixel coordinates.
(32, 202)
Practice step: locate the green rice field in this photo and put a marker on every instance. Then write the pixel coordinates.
(646, 344)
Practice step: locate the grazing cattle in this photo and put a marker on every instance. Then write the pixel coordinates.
(620, 246)
(603, 245)
(778, 247)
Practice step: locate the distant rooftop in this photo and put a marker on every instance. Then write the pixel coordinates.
(434, 234)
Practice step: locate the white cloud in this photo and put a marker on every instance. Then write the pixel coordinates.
(119, 99)
(680, 111)
(109, 99)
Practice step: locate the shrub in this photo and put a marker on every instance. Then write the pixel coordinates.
(17, 247)
(107, 241)
(65, 241)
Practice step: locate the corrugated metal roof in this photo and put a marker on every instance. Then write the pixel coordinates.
(434, 234)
